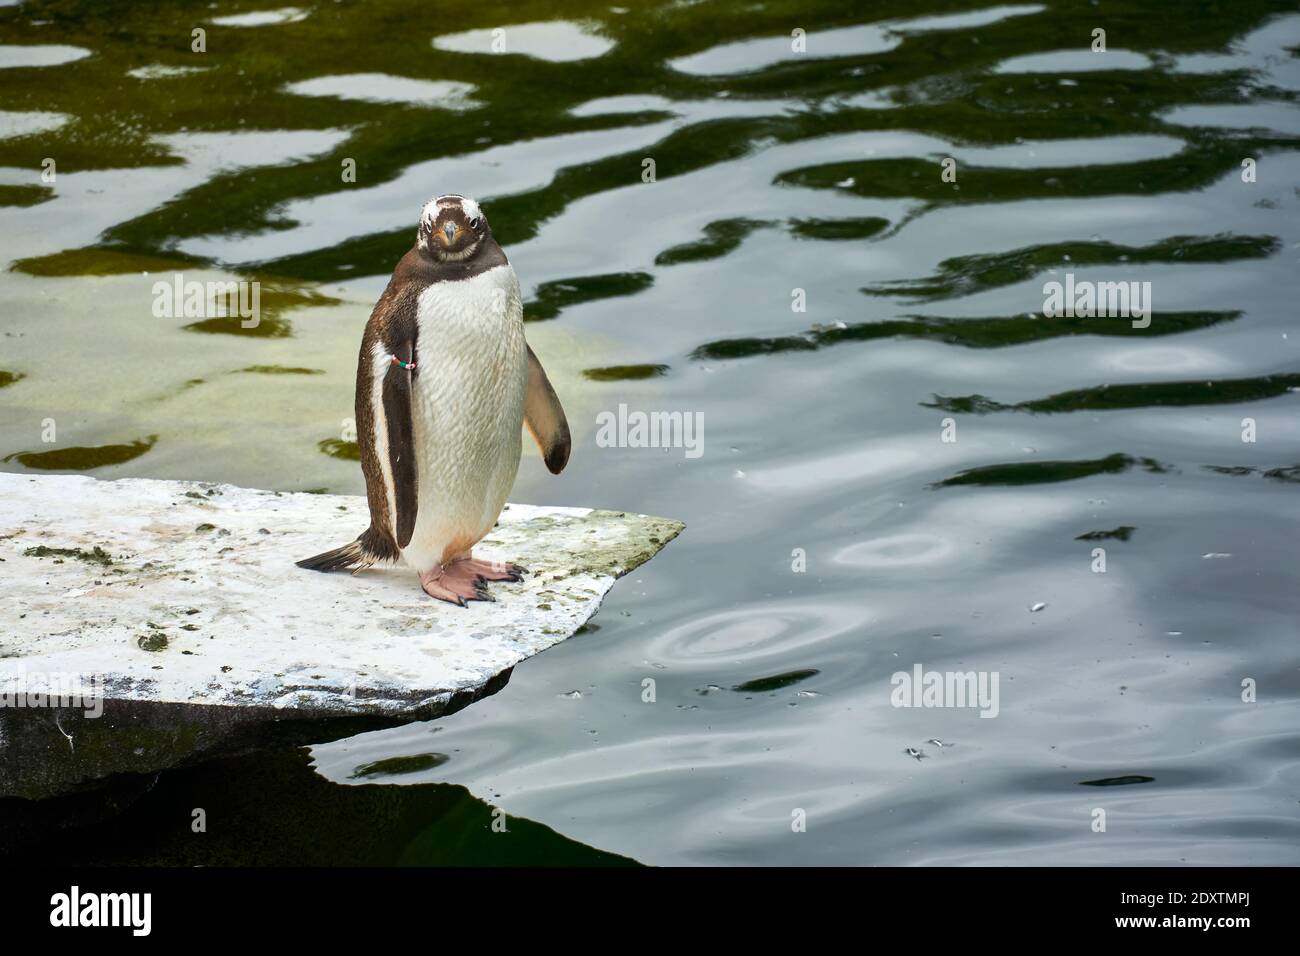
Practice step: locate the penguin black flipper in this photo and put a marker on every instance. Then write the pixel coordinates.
(385, 433)
(401, 439)
(544, 417)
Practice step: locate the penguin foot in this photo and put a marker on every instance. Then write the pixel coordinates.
(454, 588)
(489, 570)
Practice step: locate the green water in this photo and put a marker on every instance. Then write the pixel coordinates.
(775, 171)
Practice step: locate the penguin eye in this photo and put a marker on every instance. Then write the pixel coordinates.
(473, 223)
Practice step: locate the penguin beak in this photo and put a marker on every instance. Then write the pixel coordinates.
(450, 231)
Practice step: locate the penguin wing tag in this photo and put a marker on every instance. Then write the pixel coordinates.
(544, 417)
(401, 440)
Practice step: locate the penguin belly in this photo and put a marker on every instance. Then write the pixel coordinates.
(467, 411)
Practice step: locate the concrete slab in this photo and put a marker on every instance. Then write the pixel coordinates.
(177, 606)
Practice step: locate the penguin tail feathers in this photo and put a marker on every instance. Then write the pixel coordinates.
(346, 558)
(369, 548)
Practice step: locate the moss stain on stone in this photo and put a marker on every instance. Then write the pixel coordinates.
(620, 547)
(154, 641)
(97, 555)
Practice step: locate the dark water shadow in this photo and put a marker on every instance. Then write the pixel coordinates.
(83, 459)
(976, 333)
(553, 297)
(1045, 472)
(624, 373)
(967, 275)
(245, 801)
(1137, 395)
(719, 239)
(338, 448)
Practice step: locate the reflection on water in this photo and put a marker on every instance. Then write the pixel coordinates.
(916, 467)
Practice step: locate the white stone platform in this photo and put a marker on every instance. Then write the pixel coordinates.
(186, 594)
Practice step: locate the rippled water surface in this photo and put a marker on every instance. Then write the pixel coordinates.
(776, 171)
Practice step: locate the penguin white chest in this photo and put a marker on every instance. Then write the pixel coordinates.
(467, 410)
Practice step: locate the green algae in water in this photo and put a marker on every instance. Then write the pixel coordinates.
(395, 766)
(776, 681)
(96, 555)
(966, 404)
(1122, 533)
(1196, 167)
(554, 297)
(624, 373)
(838, 230)
(749, 346)
(337, 448)
(1138, 395)
(967, 107)
(966, 275)
(1152, 394)
(98, 261)
(273, 298)
(1289, 473)
(281, 370)
(1124, 781)
(1044, 472)
(24, 195)
(83, 459)
(266, 327)
(975, 333)
(719, 239)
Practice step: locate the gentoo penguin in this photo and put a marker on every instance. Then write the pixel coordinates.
(445, 381)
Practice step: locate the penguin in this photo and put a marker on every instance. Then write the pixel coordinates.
(445, 384)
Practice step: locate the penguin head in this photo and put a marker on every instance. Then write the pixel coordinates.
(452, 228)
